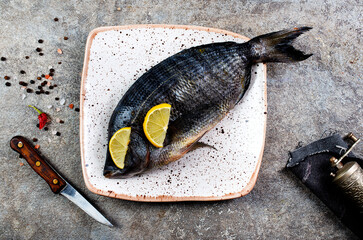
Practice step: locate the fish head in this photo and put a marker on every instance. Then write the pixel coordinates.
(136, 160)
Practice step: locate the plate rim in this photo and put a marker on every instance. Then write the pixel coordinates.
(161, 198)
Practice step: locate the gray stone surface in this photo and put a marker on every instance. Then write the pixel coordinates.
(304, 99)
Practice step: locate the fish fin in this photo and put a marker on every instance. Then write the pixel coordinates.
(201, 145)
(276, 46)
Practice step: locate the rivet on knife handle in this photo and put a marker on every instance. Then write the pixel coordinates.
(38, 163)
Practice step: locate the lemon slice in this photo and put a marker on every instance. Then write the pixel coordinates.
(118, 146)
(156, 123)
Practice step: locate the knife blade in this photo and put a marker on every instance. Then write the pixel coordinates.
(56, 182)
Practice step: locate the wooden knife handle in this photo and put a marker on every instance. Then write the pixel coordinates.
(38, 163)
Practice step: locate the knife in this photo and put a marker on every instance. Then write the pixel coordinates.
(57, 183)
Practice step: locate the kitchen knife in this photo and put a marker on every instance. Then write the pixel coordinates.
(55, 181)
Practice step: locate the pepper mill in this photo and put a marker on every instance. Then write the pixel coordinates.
(349, 177)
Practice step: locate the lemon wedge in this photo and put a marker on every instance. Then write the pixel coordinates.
(118, 146)
(156, 123)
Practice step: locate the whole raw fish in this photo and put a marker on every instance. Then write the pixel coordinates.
(202, 84)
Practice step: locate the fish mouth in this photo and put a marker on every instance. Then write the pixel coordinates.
(131, 169)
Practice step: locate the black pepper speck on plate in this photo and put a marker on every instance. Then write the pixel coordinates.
(3, 58)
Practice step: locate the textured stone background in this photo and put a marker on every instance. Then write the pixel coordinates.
(305, 99)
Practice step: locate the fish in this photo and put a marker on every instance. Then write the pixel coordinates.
(202, 84)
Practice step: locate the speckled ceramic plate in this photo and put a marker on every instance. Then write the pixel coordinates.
(115, 58)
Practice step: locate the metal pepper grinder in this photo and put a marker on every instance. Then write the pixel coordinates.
(349, 177)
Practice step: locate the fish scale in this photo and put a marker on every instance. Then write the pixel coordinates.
(202, 84)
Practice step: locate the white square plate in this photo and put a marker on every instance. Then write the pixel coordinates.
(115, 58)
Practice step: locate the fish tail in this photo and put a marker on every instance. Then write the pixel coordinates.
(276, 46)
